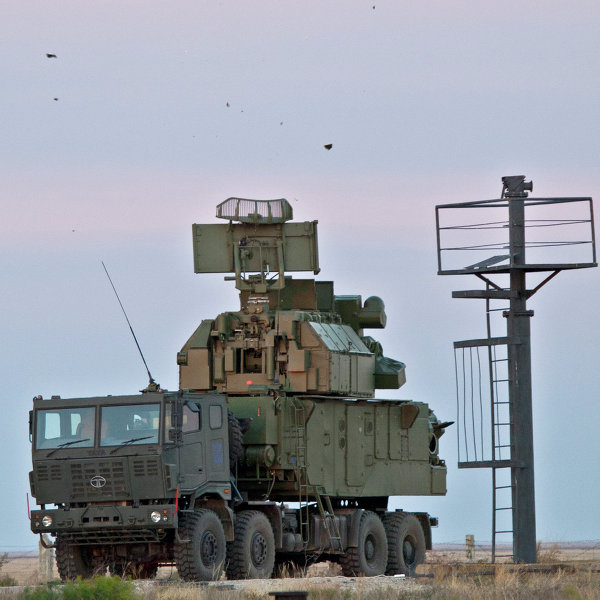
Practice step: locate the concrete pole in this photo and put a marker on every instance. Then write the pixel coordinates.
(46, 560)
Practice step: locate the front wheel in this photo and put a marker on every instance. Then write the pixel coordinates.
(200, 555)
(406, 543)
(251, 555)
(72, 561)
(370, 556)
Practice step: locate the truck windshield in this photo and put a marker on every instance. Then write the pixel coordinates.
(64, 427)
(130, 424)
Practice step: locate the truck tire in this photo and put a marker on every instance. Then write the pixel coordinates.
(236, 440)
(72, 562)
(251, 555)
(406, 543)
(200, 556)
(370, 557)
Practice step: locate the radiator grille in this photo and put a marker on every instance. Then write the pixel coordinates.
(113, 473)
(52, 472)
(145, 467)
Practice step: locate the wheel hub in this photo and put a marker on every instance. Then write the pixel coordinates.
(369, 548)
(409, 550)
(258, 549)
(208, 548)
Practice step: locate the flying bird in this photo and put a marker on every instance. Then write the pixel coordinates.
(328, 146)
(48, 55)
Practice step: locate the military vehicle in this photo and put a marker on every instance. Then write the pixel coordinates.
(274, 449)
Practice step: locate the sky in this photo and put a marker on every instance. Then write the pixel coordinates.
(152, 113)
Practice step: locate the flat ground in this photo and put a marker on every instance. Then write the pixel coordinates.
(443, 560)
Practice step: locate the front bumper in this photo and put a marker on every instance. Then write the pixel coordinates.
(107, 524)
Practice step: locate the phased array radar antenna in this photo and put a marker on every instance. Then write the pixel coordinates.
(258, 245)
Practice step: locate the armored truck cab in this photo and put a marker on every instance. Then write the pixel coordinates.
(276, 406)
(115, 469)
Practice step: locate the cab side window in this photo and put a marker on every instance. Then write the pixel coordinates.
(191, 419)
(215, 416)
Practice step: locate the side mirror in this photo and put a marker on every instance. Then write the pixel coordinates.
(175, 436)
(174, 433)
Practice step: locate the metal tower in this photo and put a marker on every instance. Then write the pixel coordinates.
(505, 438)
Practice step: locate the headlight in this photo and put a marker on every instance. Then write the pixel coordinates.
(155, 516)
(47, 521)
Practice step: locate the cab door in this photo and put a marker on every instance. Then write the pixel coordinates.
(192, 458)
(214, 413)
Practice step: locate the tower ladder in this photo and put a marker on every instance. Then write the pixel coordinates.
(500, 425)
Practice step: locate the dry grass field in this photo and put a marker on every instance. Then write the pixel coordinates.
(567, 571)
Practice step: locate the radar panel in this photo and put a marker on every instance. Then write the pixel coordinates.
(241, 248)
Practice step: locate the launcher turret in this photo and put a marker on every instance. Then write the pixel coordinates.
(290, 334)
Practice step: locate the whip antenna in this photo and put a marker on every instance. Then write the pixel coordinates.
(152, 385)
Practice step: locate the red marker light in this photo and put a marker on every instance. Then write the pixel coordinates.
(249, 382)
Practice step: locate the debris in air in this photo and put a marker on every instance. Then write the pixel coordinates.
(328, 146)
(55, 99)
(227, 104)
(48, 55)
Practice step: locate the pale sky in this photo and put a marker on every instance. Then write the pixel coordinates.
(164, 110)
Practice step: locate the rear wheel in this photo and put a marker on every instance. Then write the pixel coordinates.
(201, 554)
(251, 555)
(406, 543)
(370, 556)
(72, 561)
